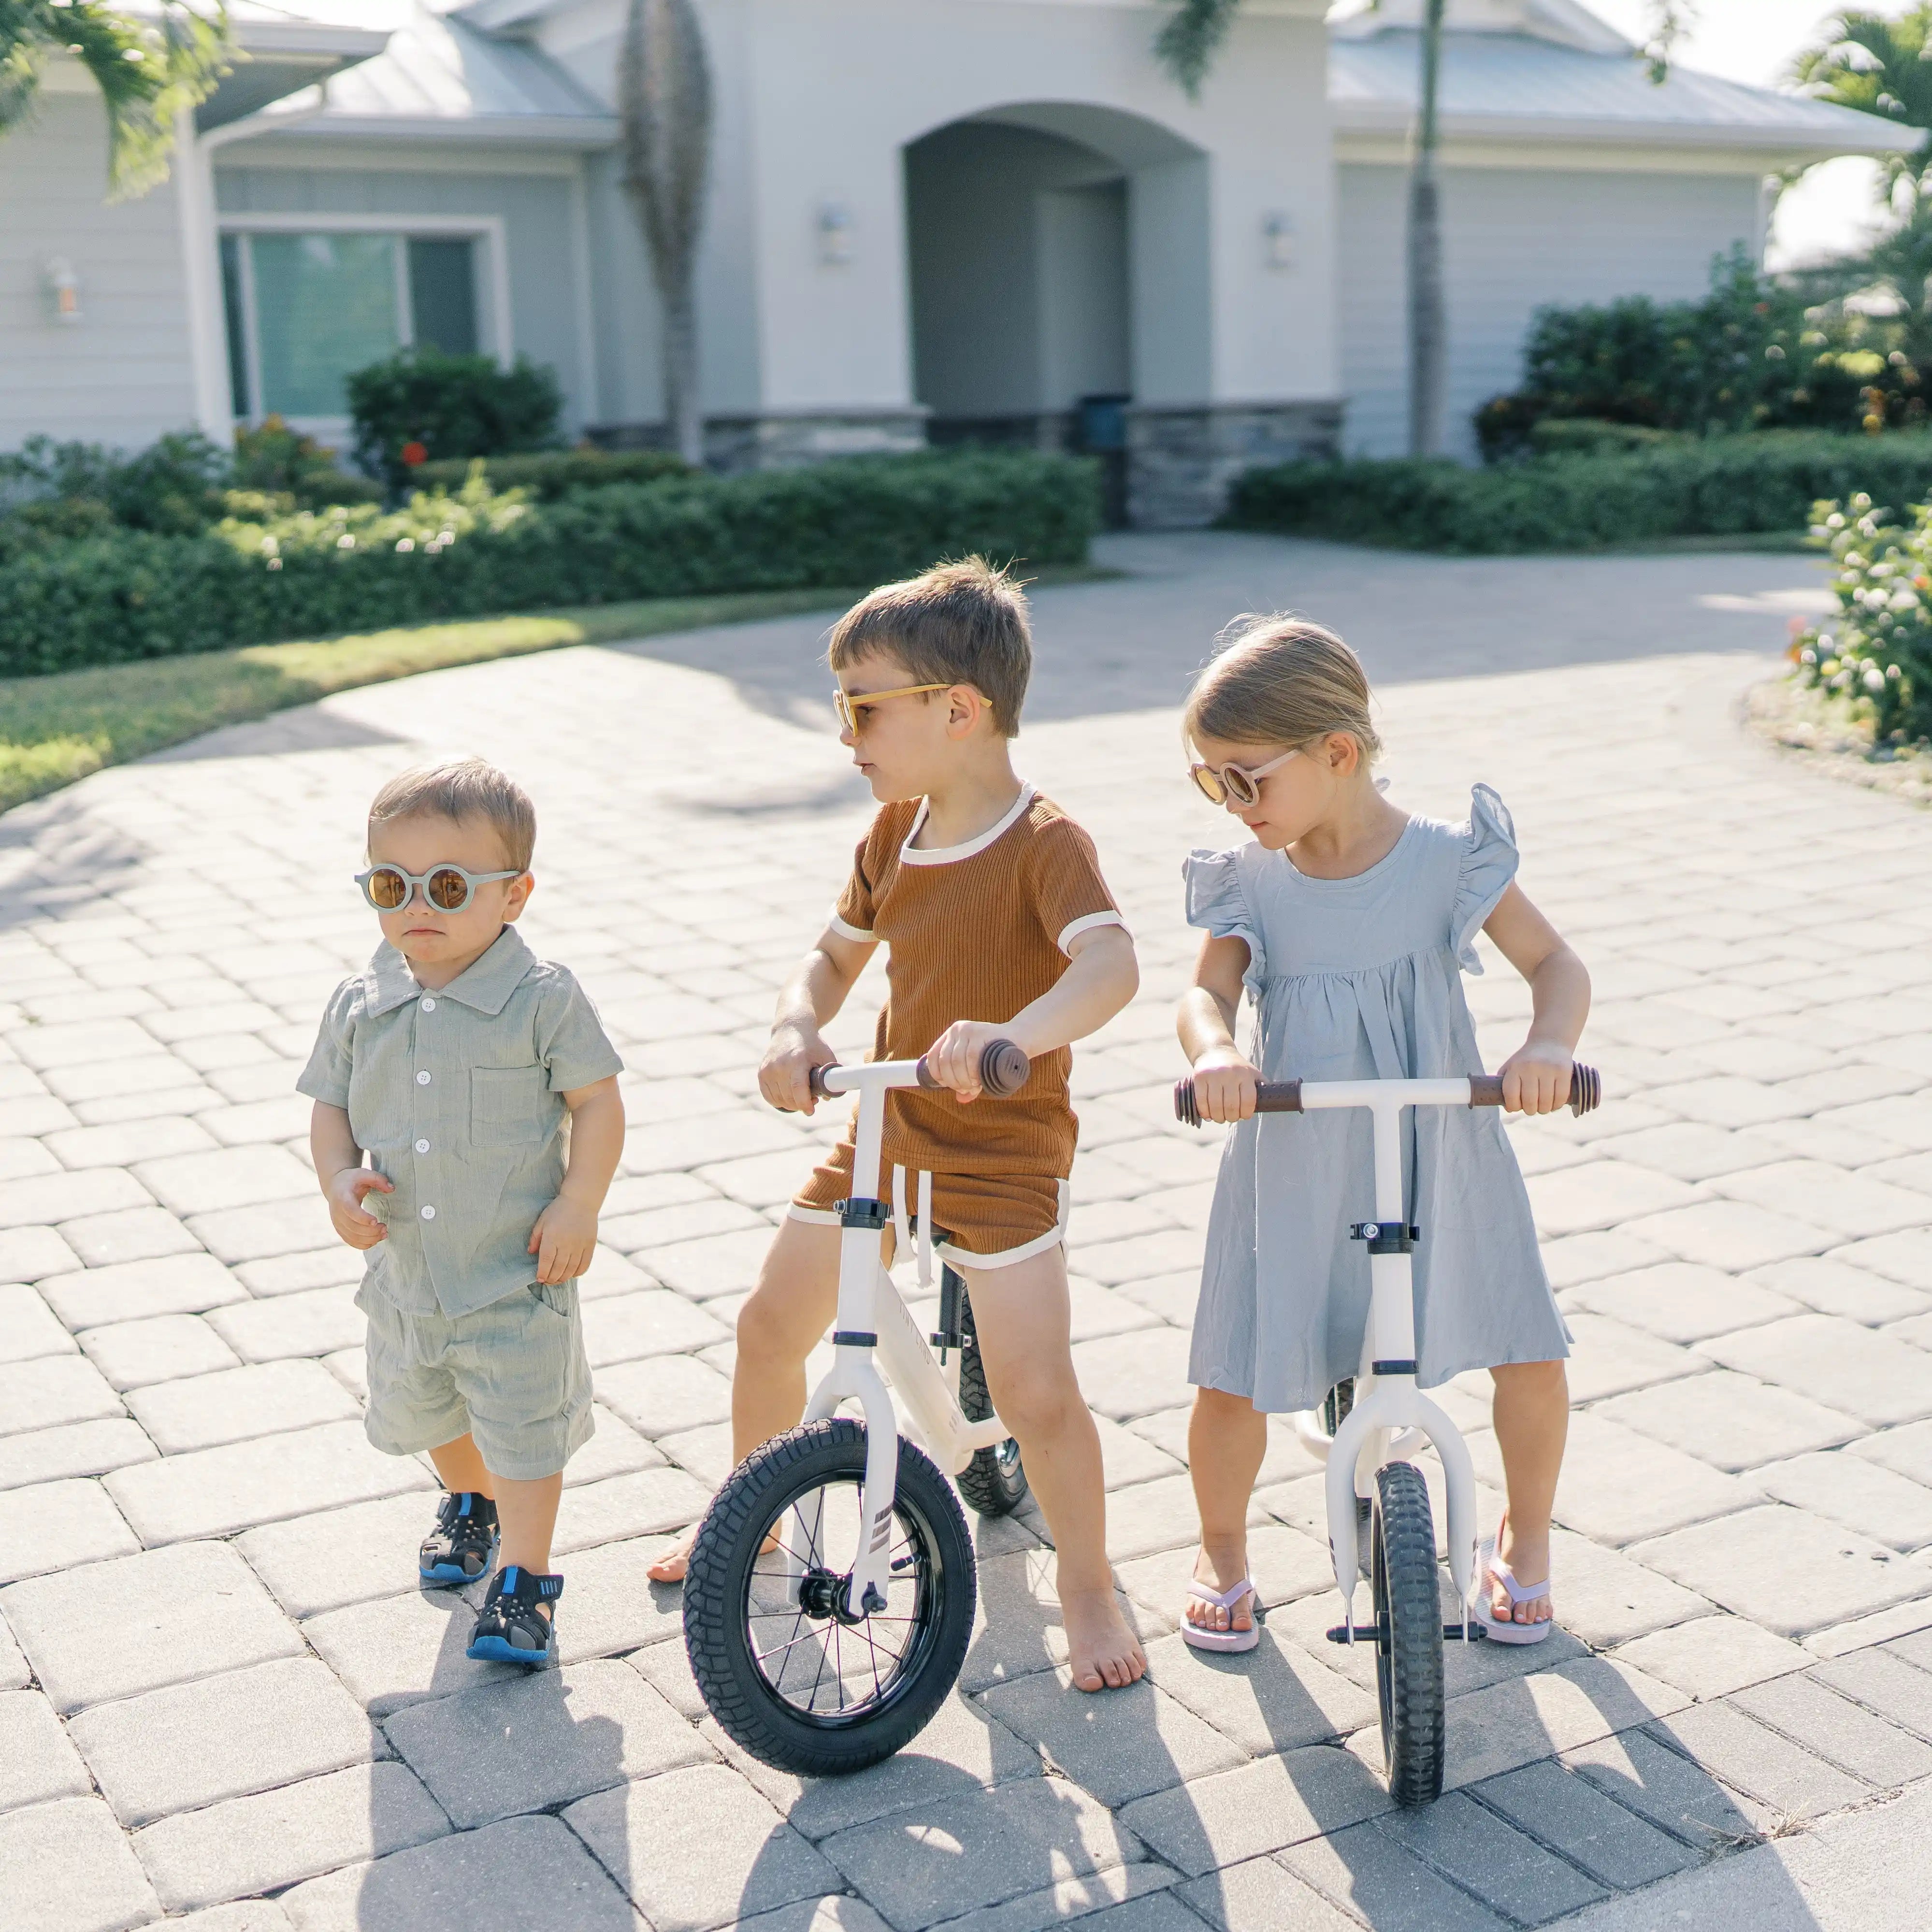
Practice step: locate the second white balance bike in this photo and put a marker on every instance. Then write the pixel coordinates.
(830, 1597)
(1367, 1440)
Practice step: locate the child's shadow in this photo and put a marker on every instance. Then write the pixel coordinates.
(494, 1748)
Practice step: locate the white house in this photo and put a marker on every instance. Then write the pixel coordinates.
(928, 219)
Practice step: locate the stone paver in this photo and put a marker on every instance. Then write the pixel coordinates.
(194, 1535)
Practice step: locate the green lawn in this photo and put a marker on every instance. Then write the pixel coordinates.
(54, 729)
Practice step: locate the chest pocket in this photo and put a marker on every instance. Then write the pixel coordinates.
(509, 1106)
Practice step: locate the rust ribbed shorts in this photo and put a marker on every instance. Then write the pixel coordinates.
(978, 1220)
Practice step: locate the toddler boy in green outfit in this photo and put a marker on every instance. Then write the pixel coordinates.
(478, 1082)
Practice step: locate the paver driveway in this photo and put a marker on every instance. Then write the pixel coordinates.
(220, 1687)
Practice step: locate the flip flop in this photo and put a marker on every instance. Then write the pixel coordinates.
(1204, 1639)
(1498, 1630)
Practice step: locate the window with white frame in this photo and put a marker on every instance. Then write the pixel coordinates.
(306, 308)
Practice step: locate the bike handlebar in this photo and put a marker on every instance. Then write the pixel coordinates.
(1003, 1068)
(1486, 1089)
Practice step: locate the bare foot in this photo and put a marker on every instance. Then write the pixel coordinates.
(671, 1567)
(1102, 1652)
(1221, 1576)
(1528, 1560)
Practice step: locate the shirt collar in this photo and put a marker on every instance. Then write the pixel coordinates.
(485, 984)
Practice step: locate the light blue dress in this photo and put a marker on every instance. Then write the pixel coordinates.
(1356, 978)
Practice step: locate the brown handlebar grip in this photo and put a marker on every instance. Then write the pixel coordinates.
(815, 1080)
(1271, 1097)
(1586, 1089)
(1003, 1068)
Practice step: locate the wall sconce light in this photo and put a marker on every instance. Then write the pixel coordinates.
(835, 234)
(1278, 241)
(63, 291)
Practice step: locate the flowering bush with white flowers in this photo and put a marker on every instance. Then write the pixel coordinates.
(1876, 652)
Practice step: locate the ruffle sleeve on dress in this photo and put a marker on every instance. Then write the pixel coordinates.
(1217, 904)
(1489, 861)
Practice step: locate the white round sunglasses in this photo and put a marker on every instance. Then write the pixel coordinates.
(446, 888)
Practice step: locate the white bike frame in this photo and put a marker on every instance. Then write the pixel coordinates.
(1391, 1417)
(873, 1319)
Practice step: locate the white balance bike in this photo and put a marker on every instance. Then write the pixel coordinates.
(829, 1596)
(1367, 1431)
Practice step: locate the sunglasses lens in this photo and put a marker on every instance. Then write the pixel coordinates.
(449, 889)
(1241, 788)
(388, 889)
(1206, 784)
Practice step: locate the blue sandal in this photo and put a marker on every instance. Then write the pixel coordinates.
(511, 1629)
(463, 1545)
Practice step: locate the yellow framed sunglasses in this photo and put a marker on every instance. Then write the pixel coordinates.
(849, 707)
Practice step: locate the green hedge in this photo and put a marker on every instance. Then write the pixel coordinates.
(1720, 486)
(547, 474)
(858, 520)
(1876, 652)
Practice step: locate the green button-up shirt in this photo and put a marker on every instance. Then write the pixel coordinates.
(457, 1095)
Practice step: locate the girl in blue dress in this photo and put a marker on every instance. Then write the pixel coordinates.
(1349, 923)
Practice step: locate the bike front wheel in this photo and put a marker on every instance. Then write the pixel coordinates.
(784, 1667)
(1408, 1634)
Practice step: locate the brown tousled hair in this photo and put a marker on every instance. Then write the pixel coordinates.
(463, 788)
(957, 623)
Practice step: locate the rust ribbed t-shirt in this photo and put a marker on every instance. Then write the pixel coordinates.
(975, 932)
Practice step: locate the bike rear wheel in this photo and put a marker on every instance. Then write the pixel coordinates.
(995, 1483)
(1408, 1634)
(793, 1675)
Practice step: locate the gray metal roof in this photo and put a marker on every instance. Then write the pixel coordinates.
(439, 77)
(1518, 85)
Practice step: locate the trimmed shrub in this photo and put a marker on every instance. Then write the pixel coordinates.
(1754, 353)
(273, 460)
(853, 522)
(447, 407)
(547, 474)
(1877, 651)
(1716, 486)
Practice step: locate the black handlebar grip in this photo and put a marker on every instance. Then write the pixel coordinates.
(815, 1080)
(1003, 1068)
(1586, 1089)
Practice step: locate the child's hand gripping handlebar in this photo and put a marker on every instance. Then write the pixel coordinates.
(1486, 1089)
(1003, 1068)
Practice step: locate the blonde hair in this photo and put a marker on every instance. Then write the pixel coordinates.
(463, 788)
(1281, 680)
(957, 623)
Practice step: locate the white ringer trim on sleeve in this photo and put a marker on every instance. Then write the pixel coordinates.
(1075, 928)
(846, 930)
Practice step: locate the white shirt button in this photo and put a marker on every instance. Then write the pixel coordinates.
(422, 1147)
(428, 1004)
(429, 1214)
(422, 1078)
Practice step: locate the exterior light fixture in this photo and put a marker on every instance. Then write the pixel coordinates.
(835, 233)
(1278, 240)
(63, 291)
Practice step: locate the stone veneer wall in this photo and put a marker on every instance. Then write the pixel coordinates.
(782, 441)
(1181, 461)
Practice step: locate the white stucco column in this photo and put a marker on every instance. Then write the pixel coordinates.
(201, 282)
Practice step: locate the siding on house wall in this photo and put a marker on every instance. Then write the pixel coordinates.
(536, 207)
(1513, 240)
(121, 375)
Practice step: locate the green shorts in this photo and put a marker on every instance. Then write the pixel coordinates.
(512, 1375)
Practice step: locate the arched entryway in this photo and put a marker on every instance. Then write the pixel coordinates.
(1058, 255)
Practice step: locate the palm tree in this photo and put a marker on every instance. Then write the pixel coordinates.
(148, 70)
(664, 98)
(1185, 46)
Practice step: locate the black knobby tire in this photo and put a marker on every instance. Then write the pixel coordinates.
(1408, 1634)
(900, 1663)
(995, 1483)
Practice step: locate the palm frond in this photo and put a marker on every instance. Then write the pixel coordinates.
(1188, 42)
(147, 72)
(1670, 20)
